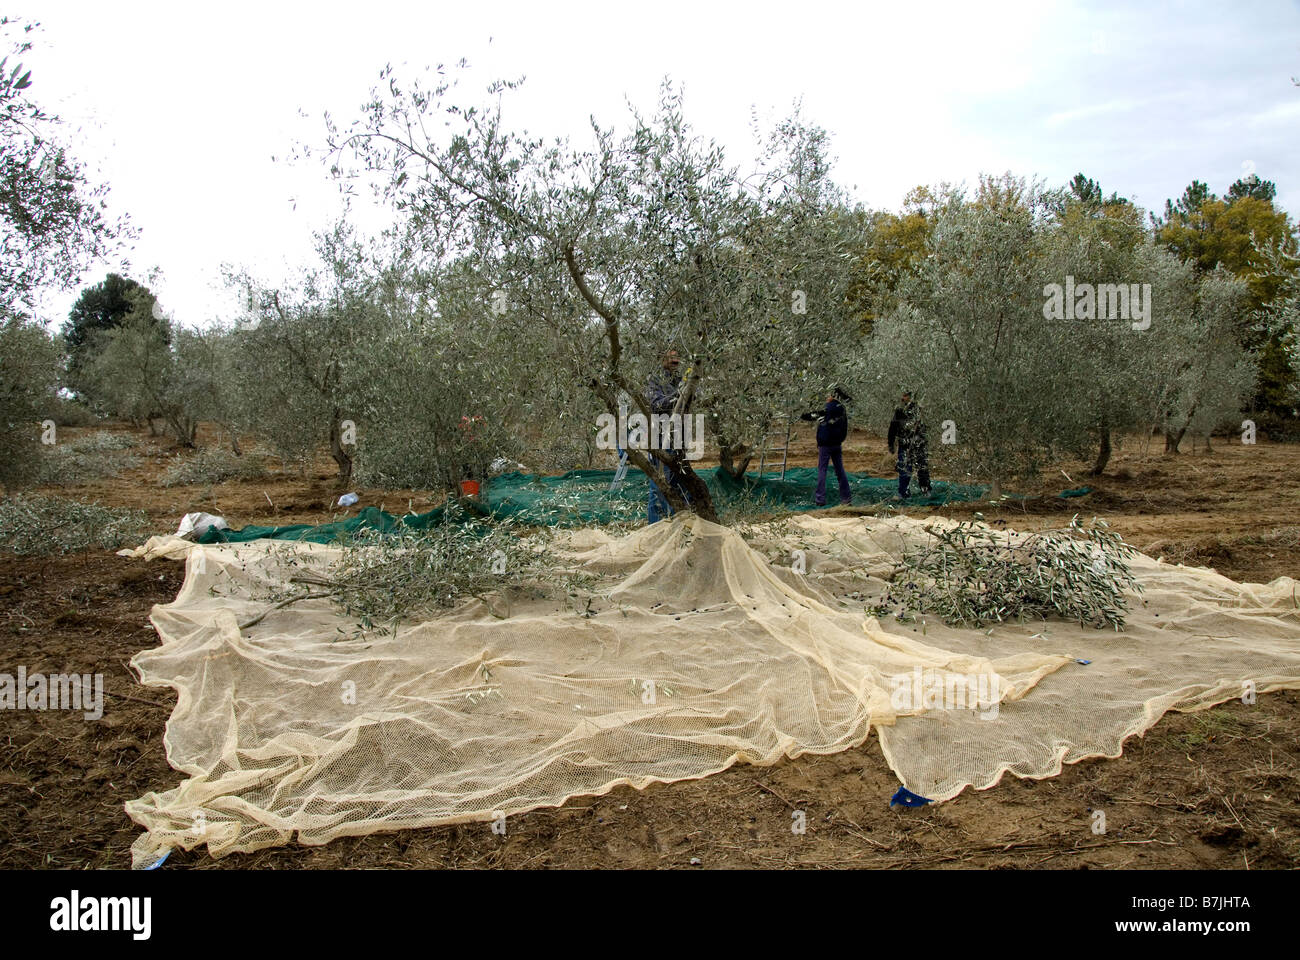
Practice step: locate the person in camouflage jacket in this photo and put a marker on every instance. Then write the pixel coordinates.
(907, 434)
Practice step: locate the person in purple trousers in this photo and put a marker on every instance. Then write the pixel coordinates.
(832, 430)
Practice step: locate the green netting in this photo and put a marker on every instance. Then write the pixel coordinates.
(583, 497)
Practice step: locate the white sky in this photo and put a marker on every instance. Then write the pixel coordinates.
(182, 107)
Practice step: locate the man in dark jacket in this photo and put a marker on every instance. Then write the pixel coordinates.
(908, 432)
(832, 430)
(661, 391)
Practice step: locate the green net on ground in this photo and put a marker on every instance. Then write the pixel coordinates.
(583, 497)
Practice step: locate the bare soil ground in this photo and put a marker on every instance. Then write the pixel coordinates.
(1217, 789)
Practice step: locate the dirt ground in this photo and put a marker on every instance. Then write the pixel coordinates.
(1217, 789)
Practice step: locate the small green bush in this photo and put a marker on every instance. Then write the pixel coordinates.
(210, 465)
(70, 413)
(86, 458)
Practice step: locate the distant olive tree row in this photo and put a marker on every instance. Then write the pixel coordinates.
(1036, 325)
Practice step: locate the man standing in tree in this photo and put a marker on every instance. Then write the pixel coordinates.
(908, 432)
(661, 391)
(832, 430)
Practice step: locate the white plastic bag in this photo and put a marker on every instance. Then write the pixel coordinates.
(197, 524)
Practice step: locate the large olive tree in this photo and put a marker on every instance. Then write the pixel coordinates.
(300, 339)
(604, 257)
(1095, 243)
(968, 338)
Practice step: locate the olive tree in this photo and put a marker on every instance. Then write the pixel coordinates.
(29, 372)
(301, 340)
(219, 378)
(431, 402)
(1217, 374)
(52, 217)
(609, 255)
(141, 370)
(968, 335)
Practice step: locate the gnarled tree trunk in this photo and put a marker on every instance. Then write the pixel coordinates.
(1103, 454)
(338, 451)
(1172, 443)
(607, 388)
(727, 455)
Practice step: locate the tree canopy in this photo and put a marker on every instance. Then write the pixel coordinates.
(52, 218)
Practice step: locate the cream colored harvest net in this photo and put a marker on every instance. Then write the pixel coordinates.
(704, 650)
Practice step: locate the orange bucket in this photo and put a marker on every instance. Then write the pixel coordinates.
(469, 488)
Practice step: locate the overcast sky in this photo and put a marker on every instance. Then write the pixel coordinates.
(181, 107)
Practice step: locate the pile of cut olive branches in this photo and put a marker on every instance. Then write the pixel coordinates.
(970, 575)
(379, 580)
(31, 524)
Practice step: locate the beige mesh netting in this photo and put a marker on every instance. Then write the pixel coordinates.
(704, 650)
